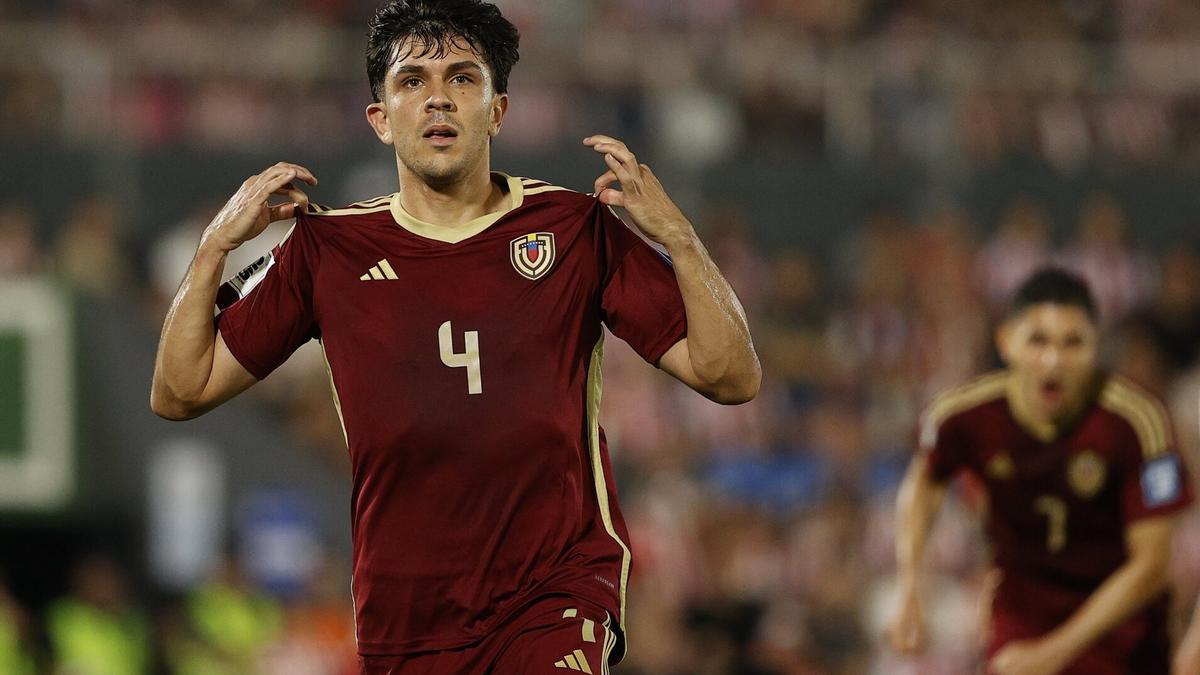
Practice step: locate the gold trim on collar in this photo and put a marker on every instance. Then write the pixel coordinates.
(454, 235)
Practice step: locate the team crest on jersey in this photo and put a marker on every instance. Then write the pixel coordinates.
(533, 254)
(1000, 466)
(1086, 473)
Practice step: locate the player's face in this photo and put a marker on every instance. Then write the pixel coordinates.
(439, 113)
(1051, 350)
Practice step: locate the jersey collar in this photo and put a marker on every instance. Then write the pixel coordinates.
(454, 235)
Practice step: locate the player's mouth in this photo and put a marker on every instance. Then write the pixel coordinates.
(440, 135)
(1051, 391)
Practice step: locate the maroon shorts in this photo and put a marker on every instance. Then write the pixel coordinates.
(1023, 610)
(553, 636)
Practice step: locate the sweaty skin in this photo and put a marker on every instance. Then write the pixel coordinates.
(439, 114)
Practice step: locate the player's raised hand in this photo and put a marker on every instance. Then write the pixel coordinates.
(907, 632)
(641, 192)
(1028, 657)
(248, 213)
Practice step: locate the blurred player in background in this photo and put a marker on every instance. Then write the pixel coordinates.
(461, 318)
(1082, 482)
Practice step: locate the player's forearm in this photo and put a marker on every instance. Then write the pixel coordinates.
(1122, 594)
(720, 348)
(186, 347)
(918, 502)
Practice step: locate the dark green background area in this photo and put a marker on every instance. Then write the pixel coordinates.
(12, 394)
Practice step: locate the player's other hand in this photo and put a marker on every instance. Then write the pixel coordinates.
(247, 213)
(1187, 658)
(641, 192)
(907, 632)
(1027, 657)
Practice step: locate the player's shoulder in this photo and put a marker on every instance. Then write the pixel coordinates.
(977, 393)
(538, 191)
(341, 215)
(1139, 410)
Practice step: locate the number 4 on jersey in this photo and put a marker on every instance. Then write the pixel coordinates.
(468, 358)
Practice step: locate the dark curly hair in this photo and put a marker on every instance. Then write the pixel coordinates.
(438, 26)
(1056, 286)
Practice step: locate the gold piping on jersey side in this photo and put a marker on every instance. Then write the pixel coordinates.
(337, 401)
(1139, 413)
(595, 386)
(287, 235)
(1142, 412)
(980, 390)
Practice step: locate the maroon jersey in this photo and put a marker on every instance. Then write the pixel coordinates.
(465, 365)
(1058, 507)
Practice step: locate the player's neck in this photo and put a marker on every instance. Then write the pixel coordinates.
(454, 204)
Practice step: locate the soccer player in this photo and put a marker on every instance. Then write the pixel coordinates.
(461, 318)
(1083, 484)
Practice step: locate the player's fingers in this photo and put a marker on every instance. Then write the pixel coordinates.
(621, 170)
(283, 211)
(621, 152)
(612, 197)
(293, 193)
(595, 139)
(301, 172)
(274, 181)
(606, 179)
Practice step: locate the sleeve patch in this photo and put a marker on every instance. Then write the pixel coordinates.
(1162, 481)
(241, 284)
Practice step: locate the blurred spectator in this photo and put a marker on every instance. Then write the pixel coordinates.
(226, 627)
(15, 636)
(1122, 277)
(1020, 244)
(90, 253)
(1173, 318)
(97, 629)
(20, 255)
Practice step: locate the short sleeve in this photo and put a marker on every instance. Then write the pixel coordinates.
(273, 315)
(942, 443)
(1158, 485)
(640, 297)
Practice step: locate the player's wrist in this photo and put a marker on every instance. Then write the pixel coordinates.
(680, 240)
(211, 251)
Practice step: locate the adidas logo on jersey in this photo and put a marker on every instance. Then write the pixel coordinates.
(380, 271)
(575, 661)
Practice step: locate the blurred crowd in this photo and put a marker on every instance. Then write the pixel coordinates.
(954, 83)
(762, 533)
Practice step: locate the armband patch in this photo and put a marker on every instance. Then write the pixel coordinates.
(1162, 482)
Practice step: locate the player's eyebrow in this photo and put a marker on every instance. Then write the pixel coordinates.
(415, 69)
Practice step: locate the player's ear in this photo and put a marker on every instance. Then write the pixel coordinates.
(1004, 339)
(377, 118)
(499, 108)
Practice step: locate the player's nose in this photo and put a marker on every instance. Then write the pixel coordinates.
(1050, 357)
(438, 100)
